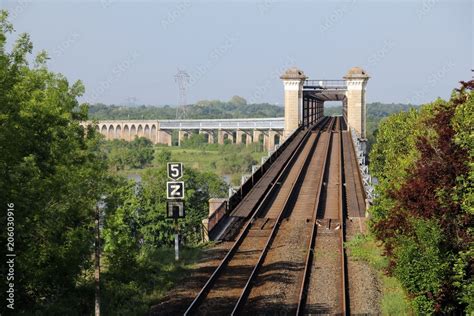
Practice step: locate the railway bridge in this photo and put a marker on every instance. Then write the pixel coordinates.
(288, 222)
(268, 131)
(304, 103)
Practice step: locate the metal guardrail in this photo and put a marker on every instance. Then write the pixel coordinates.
(258, 173)
(266, 123)
(276, 123)
(325, 84)
(363, 168)
(236, 195)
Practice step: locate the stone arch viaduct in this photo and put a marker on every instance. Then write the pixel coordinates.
(268, 131)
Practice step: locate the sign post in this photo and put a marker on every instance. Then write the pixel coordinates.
(176, 244)
(175, 202)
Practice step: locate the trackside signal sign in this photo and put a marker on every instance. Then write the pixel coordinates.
(175, 209)
(175, 190)
(175, 170)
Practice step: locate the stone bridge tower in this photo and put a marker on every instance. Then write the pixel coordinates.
(350, 90)
(293, 80)
(354, 105)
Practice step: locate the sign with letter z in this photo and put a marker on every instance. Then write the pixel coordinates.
(175, 190)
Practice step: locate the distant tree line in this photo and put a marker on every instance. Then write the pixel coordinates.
(237, 107)
(376, 111)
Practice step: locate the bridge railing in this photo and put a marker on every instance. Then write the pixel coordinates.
(255, 123)
(215, 217)
(257, 175)
(366, 178)
(325, 84)
(266, 123)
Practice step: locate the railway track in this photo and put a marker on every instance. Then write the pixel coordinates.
(289, 256)
(325, 267)
(355, 195)
(274, 287)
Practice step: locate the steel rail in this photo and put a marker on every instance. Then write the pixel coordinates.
(344, 294)
(286, 206)
(310, 252)
(358, 171)
(210, 282)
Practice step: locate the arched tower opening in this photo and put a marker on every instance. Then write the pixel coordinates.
(305, 98)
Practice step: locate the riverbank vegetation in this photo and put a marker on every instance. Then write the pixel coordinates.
(228, 161)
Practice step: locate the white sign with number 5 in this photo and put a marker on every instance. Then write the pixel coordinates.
(175, 170)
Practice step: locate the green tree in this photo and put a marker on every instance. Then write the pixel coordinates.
(421, 266)
(118, 154)
(199, 188)
(195, 141)
(121, 226)
(141, 152)
(122, 154)
(236, 100)
(162, 156)
(423, 212)
(137, 231)
(52, 170)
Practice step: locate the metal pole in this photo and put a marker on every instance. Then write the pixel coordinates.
(97, 262)
(176, 240)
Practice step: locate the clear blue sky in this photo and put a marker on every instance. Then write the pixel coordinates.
(414, 51)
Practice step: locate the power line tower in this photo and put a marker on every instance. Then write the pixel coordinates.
(182, 78)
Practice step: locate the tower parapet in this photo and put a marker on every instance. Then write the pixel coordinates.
(355, 107)
(293, 80)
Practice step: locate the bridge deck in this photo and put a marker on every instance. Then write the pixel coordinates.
(254, 197)
(295, 229)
